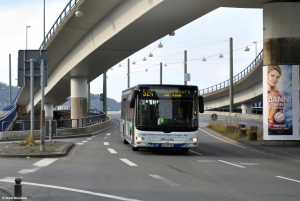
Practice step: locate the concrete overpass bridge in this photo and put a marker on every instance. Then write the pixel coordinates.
(247, 85)
(83, 48)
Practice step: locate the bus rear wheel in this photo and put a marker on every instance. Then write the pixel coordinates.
(125, 141)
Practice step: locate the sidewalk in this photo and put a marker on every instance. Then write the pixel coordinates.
(288, 151)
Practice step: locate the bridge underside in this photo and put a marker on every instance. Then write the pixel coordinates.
(111, 31)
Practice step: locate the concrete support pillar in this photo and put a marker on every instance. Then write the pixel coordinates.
(281, 33)
(246, 108)
(78, 100)
(48, 111)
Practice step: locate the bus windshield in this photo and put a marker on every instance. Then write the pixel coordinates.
(167, 114)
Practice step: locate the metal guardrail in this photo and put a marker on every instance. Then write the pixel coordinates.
(255, 111)
(79, 122)
(235, 78)
(56, 24)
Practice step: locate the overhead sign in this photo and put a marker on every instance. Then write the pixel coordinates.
(24, 57)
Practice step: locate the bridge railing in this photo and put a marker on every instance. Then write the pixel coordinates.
(258, 111)
(235, 78)
(56, 24)
(61, 123)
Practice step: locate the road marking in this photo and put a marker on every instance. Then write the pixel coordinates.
(111, 150)
(28, 171)
(221, 139)
(89, 138)
(70, 189)
(206, 161)
(288, 179)
(171, 183)
(196, 152)
(84, 141)
(44, 162)
(79, 143)
(106, 143)
(248, 163)
(108, 133)
(232, 164)
(106, 137)
(203, 123)
(128, 162)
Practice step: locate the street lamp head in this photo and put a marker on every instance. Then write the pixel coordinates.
(28, 26)
(78, 13)
(247, 49)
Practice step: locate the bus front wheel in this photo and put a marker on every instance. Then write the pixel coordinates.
(184, 150)
(125, 141)
(135, 148)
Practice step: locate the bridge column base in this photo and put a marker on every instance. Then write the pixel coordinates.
(246, 108)
(78, 100)
(48, 111)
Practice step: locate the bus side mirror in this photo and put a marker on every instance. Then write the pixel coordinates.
(132, 99)
(201, 104)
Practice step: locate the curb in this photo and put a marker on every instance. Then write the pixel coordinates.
(63, 153)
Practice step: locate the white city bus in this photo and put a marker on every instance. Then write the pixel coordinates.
(160, 116)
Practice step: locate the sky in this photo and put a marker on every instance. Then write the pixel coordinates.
(206, 37)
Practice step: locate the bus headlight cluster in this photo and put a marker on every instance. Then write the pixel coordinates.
(140, 138)
(194, 139)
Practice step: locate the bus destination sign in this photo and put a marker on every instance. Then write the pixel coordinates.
(167, 93)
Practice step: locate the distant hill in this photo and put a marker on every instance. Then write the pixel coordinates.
(95, 99)
(112, 104)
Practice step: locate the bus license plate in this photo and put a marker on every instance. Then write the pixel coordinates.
(167, 145)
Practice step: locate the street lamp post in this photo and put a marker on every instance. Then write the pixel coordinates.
(26, 35)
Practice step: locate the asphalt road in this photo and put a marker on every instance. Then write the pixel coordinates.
(103, 168)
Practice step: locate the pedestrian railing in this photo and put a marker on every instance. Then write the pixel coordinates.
(235, 78)
(62, 123)
(56, 24)
(255, 111)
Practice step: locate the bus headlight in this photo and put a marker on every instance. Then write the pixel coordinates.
(140, 138)
(194, 139)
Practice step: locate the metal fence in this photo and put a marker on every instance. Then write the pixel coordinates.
(56, 24)
(61, 123)
(235, 78)
(257, 111)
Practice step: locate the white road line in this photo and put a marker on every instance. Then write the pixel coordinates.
(106, 137)
(79, 143)
(221, 139)
(288, 179)
(84, 141)
(28, 171)
(232, 164)
(195, 152)
(106, 143)
(203, 123)
(44, 162)
(108, 133)
(128, 162)
(111, 150)
(89, 138)
(171, 183)
(70, 189)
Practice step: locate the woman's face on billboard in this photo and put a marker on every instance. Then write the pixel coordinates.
(273, 78)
